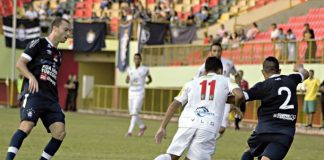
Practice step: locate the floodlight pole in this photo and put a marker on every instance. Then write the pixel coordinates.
(13, 52)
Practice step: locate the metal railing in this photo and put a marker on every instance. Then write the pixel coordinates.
(157, 100)
(116, 99)
(244, 53)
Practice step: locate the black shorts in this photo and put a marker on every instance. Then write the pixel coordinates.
(272, 145)
(35, 107)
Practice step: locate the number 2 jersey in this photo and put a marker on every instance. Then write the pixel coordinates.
(204, 99)
(279, 108)
(44, 62)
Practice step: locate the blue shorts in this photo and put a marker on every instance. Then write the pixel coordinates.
(35, 106)
(272, 145)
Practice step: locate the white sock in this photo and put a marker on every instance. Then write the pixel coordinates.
(132, 123)
(139, 122)
(163, 157)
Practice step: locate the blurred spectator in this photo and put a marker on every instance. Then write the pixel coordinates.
(221, 31)
(235, 41)
(206, 38)
(105, 17)
(31, 13)
(70, 86)
(309, 36)
(225, 40)
(241, 34)
(44, 18)
(210, 39)
(275, 38)
(105, 4)
(291, 38)
(67, 15)
(174, 19)
(191, 18)
(311, 86)
(252, 32)
(282, 45)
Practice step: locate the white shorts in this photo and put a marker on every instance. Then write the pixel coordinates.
(135, 104)
(201, 143)
(225, 116)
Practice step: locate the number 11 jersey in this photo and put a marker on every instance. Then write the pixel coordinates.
(204, 99)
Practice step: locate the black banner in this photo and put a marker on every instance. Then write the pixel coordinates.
(153, 33)
(183, 35)
(89, 37)
(26, 31)
(124, 37)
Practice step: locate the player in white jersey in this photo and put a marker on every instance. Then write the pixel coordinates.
(204, 99)
(228, 68)
(137, 79)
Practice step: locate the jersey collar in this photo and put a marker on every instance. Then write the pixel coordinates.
(275, 75)
(49, 41)
(211, 74)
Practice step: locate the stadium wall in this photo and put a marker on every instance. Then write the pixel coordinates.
(177, 76)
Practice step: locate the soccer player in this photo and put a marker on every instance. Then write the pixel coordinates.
(137, 79)
(204, 99)
(228, 68)
(39, 64)
(277, 114)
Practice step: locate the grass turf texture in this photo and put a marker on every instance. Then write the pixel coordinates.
(98, 137)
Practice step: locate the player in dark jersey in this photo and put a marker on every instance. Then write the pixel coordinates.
(277, 114)
(39, 65)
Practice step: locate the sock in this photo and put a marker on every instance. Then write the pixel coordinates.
(132, 124)
(15, 144)
(237, 121)
(247, 156)
(163, 157)
(50, 149)
(139, 122)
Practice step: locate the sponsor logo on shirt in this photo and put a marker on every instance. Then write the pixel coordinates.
(203, 111)
(290, 117)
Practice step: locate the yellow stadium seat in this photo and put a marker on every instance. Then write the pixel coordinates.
(115, 6)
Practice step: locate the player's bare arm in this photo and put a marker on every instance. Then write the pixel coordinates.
(149, 79)
(161, 133)
(22, 67)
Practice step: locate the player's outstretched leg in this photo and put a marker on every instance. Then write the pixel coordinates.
(131, 125)
(58, 133)
(18, 138)
(167, 157)
(141, 125)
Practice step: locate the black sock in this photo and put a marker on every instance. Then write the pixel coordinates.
(51, 148)
(237, 121)
(15, 144)
(247, 156)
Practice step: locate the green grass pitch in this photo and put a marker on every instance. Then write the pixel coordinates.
(98, 137)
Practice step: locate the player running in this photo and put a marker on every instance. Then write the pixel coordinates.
(204, 99)
(137, 79)
(277, 114)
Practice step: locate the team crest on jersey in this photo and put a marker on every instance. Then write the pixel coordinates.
(202, 112)
(49, 52)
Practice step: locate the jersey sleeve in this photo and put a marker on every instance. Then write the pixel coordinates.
(31, 50)
(297, 78)
(201, 71)
(256, 92)
(233, 69)
(182, 97)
